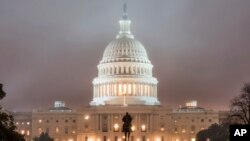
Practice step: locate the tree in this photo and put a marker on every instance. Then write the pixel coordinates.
(215, 132)
(43, 137)
(7, 127)
(240, 106)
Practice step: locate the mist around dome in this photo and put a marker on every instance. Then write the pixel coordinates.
(125, 72)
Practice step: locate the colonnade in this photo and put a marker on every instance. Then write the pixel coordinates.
(128, 89)
(116, 70)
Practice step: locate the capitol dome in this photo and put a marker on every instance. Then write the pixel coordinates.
(125, 47)
(125, 72)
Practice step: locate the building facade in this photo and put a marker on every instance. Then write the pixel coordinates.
(125, 83)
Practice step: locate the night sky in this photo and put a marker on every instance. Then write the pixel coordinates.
(49, 49)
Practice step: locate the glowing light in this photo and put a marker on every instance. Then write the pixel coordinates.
(177, 140)
(40, 121)
(137, 139)
(17, 123)
(28, 123)
(98, 139)
(162, 129)
(158, 139)
(133, 128)
(57, 130)
(183, 131)
(73, 132)
(193, 139)
(143, 128)
(70, 140)
(28, 132)
(116, 127)
(86, 117)
(22, 132)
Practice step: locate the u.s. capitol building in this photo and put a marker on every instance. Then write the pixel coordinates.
(124, 84)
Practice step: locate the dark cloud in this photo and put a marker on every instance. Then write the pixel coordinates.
(49, 50)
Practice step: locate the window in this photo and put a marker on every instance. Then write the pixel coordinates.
(162, 138)
(104, 138)
(66, 121)
(74, 121)
(143, 128)
(57, 121)
(210, 120)
(39, 130)
(143, 138)
(57, 130)
(202, 120)
(66, 130)
(116, 127)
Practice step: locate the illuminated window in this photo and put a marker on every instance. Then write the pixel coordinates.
(162, 129)
(143, 128)
(22, 123)
(22, 132)
(28, 132)
(40, 121)
(193, 139)
(39, 130)
(74, 131)
(183, 130)
(133, 128)
(86, 117)
(116, 127)
(129, 89)
(17, 123)
(28, 123)
(57, 130)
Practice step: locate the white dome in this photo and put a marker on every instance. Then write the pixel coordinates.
(125, 48)
(125, 72)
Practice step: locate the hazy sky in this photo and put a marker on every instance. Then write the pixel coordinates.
(49, 49)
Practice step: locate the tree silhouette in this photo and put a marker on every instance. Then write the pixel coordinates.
(7, 127)
(214, 133)
(240, 106)
(43, 137)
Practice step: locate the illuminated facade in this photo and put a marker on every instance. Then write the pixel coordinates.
(125, 71)
(124, 84)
